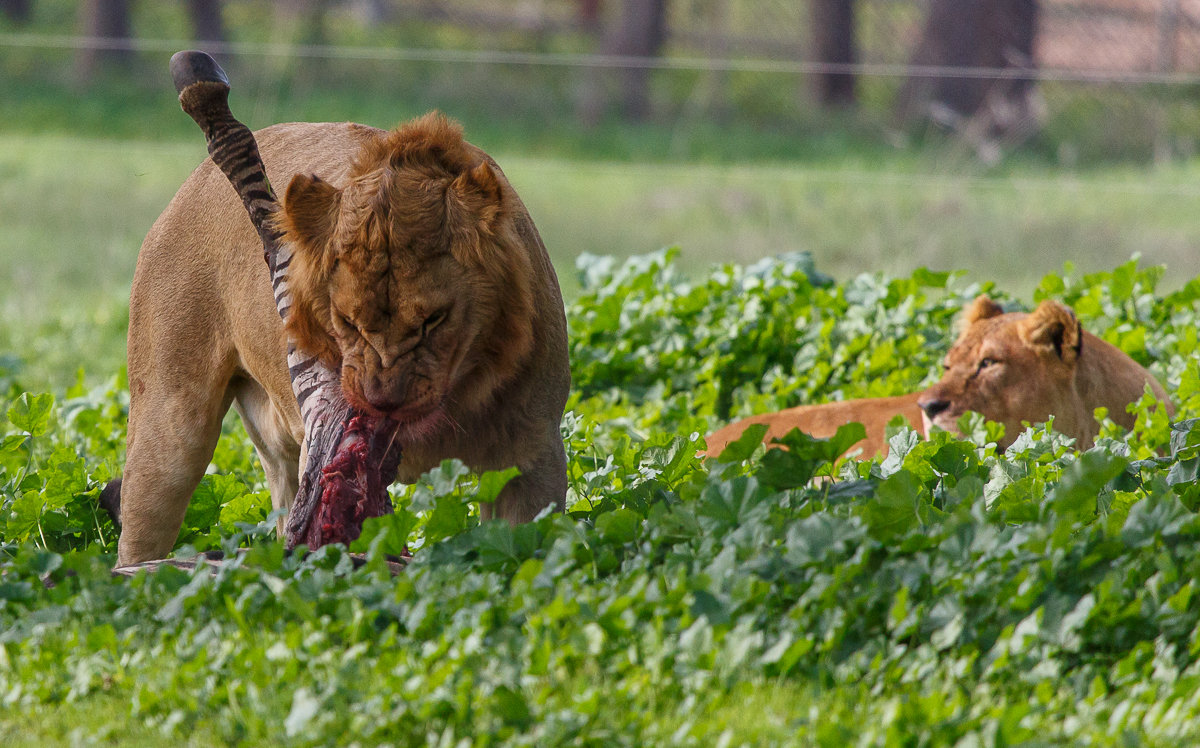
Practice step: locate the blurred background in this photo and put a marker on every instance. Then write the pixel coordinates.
(1001, 138)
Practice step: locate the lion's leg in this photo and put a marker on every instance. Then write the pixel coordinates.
(173, 430)
(542, 483)
(277, 450)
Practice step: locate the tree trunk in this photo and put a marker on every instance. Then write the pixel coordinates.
(207, 24)
(986, 34)
(107, 21)
(18, 11)
(640, 33)
(589, 14)
(834, 44)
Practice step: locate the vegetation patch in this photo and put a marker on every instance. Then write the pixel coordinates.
(945, 593)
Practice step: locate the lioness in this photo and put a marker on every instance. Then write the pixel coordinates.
(1011, 368)
(417, 272)
(1018, 367)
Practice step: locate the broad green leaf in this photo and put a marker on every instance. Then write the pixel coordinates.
(848, 434)
(619, 526)
(213, 493)
(741, 448)
(23, 516)
(804, 454)
(31, 413)
(900, 505)
(249, 508)
(16, 591)
(449, 517)
(727, 503)
(492, 482)
(386, 534)
(12, 443)
(813, 538)
(512, 707)
(1074, 498)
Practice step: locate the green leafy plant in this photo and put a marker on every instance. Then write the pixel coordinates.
(944, 594)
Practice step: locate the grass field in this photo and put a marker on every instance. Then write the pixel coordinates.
(74, 210)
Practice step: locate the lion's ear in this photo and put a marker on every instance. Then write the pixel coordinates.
(474, 206)
(1053, 326)
(309, 214)
(981, 308)
(308, 219)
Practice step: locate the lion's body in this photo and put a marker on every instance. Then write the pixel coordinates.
(822, 421)
(1018, 367)
(204, 333)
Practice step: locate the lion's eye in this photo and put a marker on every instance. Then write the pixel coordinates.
(433, 321)
(342, 318)
(985, 363)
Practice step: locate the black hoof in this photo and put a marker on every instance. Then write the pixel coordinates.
(110, 500)
(191, 66)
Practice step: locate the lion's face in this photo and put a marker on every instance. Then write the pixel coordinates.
(1012, 368)
(409, 277)
(401, 332)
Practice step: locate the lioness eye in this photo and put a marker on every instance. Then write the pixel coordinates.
(987, 362)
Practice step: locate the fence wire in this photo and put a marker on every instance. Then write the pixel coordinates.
(1113, 77)
(1116, 80)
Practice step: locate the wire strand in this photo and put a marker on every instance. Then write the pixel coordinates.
(586, 60)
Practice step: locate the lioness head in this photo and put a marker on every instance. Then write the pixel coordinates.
(410, 277)
(1026, 367)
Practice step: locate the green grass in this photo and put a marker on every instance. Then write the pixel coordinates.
(96, 720)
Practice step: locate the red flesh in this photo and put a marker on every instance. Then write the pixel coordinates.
(354, 483)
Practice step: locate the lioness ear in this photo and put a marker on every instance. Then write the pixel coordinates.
(308, 220)
(1053, 326)
(474, 206)
(981, 308)
(310, 210)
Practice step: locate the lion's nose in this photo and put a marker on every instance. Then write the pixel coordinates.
(383, 395)
(933, 406)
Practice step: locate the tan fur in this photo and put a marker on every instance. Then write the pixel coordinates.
(417, 270)
(1022, 368)
(823, 420)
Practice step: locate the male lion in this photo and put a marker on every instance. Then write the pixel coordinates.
(1017, 367)
(1011, 368)
(417, 273)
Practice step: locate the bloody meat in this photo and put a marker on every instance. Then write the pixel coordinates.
(354, 482)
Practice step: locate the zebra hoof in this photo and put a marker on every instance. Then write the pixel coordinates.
(192, 66)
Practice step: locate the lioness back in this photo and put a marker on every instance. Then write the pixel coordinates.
(823, 420)
(200, 286)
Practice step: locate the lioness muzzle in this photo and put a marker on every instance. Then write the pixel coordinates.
(351, 456)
